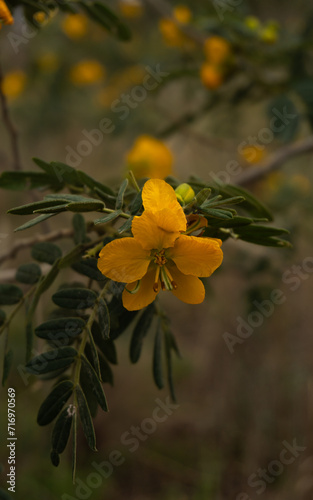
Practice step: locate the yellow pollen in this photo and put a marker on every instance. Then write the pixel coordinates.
(160, 258)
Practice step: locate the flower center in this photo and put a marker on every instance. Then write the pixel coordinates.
(162, 274)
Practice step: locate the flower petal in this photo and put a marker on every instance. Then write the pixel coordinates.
(189, 288)
(159, 197)
(197, 256)
(124, 260)
(144, 296)
(150, 235)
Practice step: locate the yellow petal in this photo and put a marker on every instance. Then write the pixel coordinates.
(123, 260)
(149, 234)
(144, 296)
(189, 288)
(158, 196)
(197, 256)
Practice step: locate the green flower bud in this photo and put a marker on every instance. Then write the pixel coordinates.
(184, 193)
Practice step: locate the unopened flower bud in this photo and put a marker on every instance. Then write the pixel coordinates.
(184, 193)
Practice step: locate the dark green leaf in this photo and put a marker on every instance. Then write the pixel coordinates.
(19, 181)
(253, 206)
(96, 384)
(29, 339)
(7, 364)
(28, 273)
(33, 222)
(217, 213)
(61, 430)
(136, 204)
(120, 318)
(157, 358)
(107, 347)
(93, 184)
(126, 226)
(88, 267)
(75, 298)
(120, 196)
(234, 222)
(46, 252)
(104, 319)
(108, 218)
(51, 360)
(105, 370)
(85, 418)
(30, 208)
(60, 329)
(80, 230)
(10, 294)
(91, 350)
(203, 195)
(55, 458)
(140, 331)
(72, 256)
(2, 317)
(168, 358)
(86, 206)
(54, 402)
(285, 129)
(86, 386)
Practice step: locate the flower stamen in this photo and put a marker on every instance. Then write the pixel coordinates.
(156, 279)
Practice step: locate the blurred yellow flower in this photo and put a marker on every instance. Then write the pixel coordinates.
(149, 157)
(5, 14)
(216, 49)
(252, 154)
(87, 72)
(13, 84)
(172, 35)
(211, 76)
(75, 26)
(41, 17)
(301, 183)
(252, 22)
(48, 62)
(131, 8)
(269, 34)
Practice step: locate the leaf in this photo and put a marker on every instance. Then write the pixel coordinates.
(108, 20)
(86, 206)
(74, 445)
(10, 294)
(120, 197)
(234, 222)
(71, 257)
(263, 235)
(91, 350)
(86, 386)
(20, 181)
(217, 213)
(105, 370)
(55, 458)
(126, 226)
(279, 107)
(157, 359)
(168, 358)
(7, 364)
(107, 347)
(51, 361)
(80, 230)
(140, 331)
(75, 298)
(2, 317)
(136, 204)
(85, 418)
(203, 195)
(33, 222)
(28, 273)
(97, 388)
(43, 285)
(46, 252)
(54, 402)
(120, 318)
(93, 184)
(56, 329)
(30, 208)
(62, 429)
(104, 319)
(108, 218)
(88, 267)
(253, 206)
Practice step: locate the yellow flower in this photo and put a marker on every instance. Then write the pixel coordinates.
(41, 17)
(172, 35)
(13, 83)
(211, 76)
(149, 157)
(253, 23)
(252, 154)
(184, 193)
(87, 72)
(75, 26)
(159, 256)
(269, 34)
(5, 14)
(131, 8)
(216, 49)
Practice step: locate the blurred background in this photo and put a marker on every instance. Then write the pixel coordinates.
(238, 405)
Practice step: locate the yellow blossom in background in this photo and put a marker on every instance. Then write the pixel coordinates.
(269, 34)
(75, 26)
(216, 49)
(252, 154)
(149, 157)
(160, 256)
(87, 72)
(5, 14)
(13, 84)
(48, 62)
(41, 17)
(131, 8)
(301, 183)
(252, 22)
(172, 35)
(119, 83)
(211, 76)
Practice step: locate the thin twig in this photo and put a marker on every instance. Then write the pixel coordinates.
(29, 242)
(276, 160)
(10, 126)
